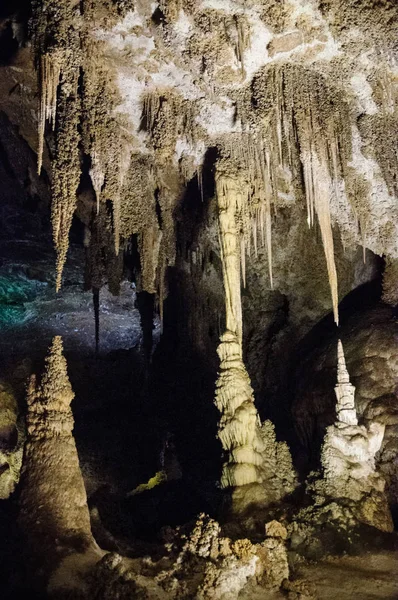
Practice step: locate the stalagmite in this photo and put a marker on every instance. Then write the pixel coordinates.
(345, 391)
(64, 558)
(238, 427)
(348, 489)
(53, 502)
(256, 468)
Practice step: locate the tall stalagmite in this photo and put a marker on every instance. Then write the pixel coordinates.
(256, 468)
(349, 477)
(54, 515)
(64, 559)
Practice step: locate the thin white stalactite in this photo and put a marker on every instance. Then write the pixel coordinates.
(320, 182)
(50, 73)
(97, 176)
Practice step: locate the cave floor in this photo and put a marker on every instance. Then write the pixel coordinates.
(371, 576)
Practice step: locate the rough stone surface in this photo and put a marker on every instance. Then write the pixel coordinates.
(226, 567)
(12, 437)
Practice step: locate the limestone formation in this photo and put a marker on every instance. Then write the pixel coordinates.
(348, 491)
(53, 503)
(209, 147)
(348, 458)
(291, 91)
(256, 468)
(224, 567)
(370, 352)
(12, 437)
(345, 391)
(63, 556)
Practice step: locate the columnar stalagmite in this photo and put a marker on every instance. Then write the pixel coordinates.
(348, 477)
(257, 469)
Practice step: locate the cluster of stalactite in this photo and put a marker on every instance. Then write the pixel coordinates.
(56, 36)
(294, 122)
(77, 100)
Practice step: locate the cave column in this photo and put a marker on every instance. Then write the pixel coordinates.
(256, 468)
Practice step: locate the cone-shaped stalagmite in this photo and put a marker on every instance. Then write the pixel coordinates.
(54, 515)
(63, 557)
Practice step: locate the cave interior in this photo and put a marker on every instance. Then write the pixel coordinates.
(198, 299)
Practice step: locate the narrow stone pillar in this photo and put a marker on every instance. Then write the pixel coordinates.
(229, 199)
(256, 469)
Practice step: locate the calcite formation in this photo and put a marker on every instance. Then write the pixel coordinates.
(225, 567)
(218, 137)
(350, 489)
(53, 502)
(370, 341)
(256, 468)
(63, 556)
(304, 99)
(12, 437)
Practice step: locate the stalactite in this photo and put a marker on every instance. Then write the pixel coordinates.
(229, 198)
(320, 184)
(307, 125)
(97, 176)
(102, 135)
(251, 155)
(243, 260)
(49, 76)
(66, 169)
(243, 39)
(149, 241)
(56, 28)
